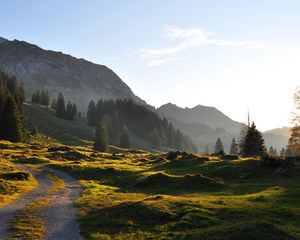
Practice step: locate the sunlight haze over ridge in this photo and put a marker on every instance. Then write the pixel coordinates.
(229, 54)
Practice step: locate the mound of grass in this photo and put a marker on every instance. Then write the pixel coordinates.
(7, 187)
(140, 215)
(21, 176)
(258, 230)
(162, 181)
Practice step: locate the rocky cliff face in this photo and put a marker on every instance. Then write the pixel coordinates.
(79, 80)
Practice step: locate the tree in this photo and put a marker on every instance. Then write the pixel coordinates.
(91, 114)
(254, 144)
(11, 122)
(124, 138)
(234, 147)
(219, 147)
(45, 98)
(282, 152)
(294, 141)
(60, 107)
(101, 137)
(178, 144)
(53, 104)
(271, 151)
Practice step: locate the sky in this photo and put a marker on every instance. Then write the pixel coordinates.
(231, 54)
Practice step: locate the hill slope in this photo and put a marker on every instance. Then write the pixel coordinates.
(79, 80)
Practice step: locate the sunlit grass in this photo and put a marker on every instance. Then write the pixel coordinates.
(116, 204)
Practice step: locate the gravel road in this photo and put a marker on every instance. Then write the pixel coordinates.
(8, 211)
(60, 216)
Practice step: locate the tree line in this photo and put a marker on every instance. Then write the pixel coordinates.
(12, 96)
(138, 119)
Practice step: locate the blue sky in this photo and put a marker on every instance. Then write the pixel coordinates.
(231, 54)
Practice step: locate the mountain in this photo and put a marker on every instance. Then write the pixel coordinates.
(277, 137)
(205, 124)
(208, 116)
(79, 80)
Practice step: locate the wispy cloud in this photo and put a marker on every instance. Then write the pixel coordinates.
(191, 38)
(159, 62)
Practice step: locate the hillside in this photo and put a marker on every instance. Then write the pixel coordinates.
(75, 132)
(79, 80)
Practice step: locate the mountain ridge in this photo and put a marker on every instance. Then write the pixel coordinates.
(78, 79)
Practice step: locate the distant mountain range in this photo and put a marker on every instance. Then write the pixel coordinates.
(205, 124)
(79, 80)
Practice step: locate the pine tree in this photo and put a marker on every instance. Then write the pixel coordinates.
(178, 144)
(234, 147)
(11, 122)
(44, 98)
(101, 137)
(91, 114)
(282, 152)
(69, 112)
(124, 138)
(254, 144)
(60, 107)
(53, 104)
(271, 151)
(219, 147)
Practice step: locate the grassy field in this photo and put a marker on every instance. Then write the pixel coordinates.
(141, 195)
(13, 182)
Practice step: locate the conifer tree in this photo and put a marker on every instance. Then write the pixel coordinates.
(282, 152)
(178, 142)
(11, 122)
(101, 137)
(124, 138)
(60, 107)
(271, 151)
(234, 147)
(254, 144)
(91, 114)
(219, 147)
(53, 104)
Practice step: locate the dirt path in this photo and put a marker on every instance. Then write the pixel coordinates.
(60, 216)
(8, 211)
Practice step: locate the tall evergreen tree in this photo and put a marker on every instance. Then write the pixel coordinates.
(60, 107)
(91, 114)
(219, 147)
(124, 138)
(234, 147)
(271, 151)
(178, 142)
(53, 104)
(11, 122)
(254, 144)
(44, 98)
(101, 137)
(282, 152)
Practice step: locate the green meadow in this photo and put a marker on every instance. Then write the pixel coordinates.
(134, 194)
